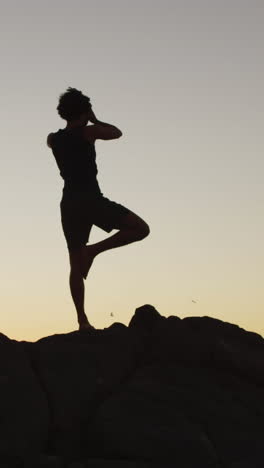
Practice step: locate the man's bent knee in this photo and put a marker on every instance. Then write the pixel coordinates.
(133, 221)
(143, 230)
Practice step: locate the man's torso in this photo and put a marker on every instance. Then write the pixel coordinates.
(75, 155)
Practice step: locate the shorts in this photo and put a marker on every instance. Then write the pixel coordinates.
(80, 213)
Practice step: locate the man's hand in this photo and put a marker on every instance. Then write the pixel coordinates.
(92, 117)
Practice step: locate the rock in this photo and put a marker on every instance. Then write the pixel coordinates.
(78, 371)
(160, 393)
(142, 422)
(103, 463)
(146, 318)
(43, 461)
(24, 409)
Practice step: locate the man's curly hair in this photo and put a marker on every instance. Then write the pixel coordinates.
(72, 104)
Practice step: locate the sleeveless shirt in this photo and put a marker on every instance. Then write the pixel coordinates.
(76, 160)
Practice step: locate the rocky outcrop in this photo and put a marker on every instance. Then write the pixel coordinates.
(160, 393)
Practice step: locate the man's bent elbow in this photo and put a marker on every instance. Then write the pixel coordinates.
(119, 133)
(145, 231)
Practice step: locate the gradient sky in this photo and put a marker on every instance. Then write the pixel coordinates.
(183, 80)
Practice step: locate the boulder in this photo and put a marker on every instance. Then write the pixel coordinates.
(25, 416)
(162, 392)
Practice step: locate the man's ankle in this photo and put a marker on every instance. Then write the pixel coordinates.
(82, 319)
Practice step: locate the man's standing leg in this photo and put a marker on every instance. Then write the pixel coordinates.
(77, 286)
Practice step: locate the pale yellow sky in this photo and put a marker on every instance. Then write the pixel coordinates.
(183, 81)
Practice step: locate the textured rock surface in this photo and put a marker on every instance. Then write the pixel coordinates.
(160, 393)
(24, 422)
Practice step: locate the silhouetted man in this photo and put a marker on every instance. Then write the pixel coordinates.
(83, 204)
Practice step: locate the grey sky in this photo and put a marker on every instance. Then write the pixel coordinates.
(183, 80)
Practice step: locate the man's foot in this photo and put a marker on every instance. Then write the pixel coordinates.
(88, 256)
(86, 326)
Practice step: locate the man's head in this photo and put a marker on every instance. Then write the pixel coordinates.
(73, 105)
